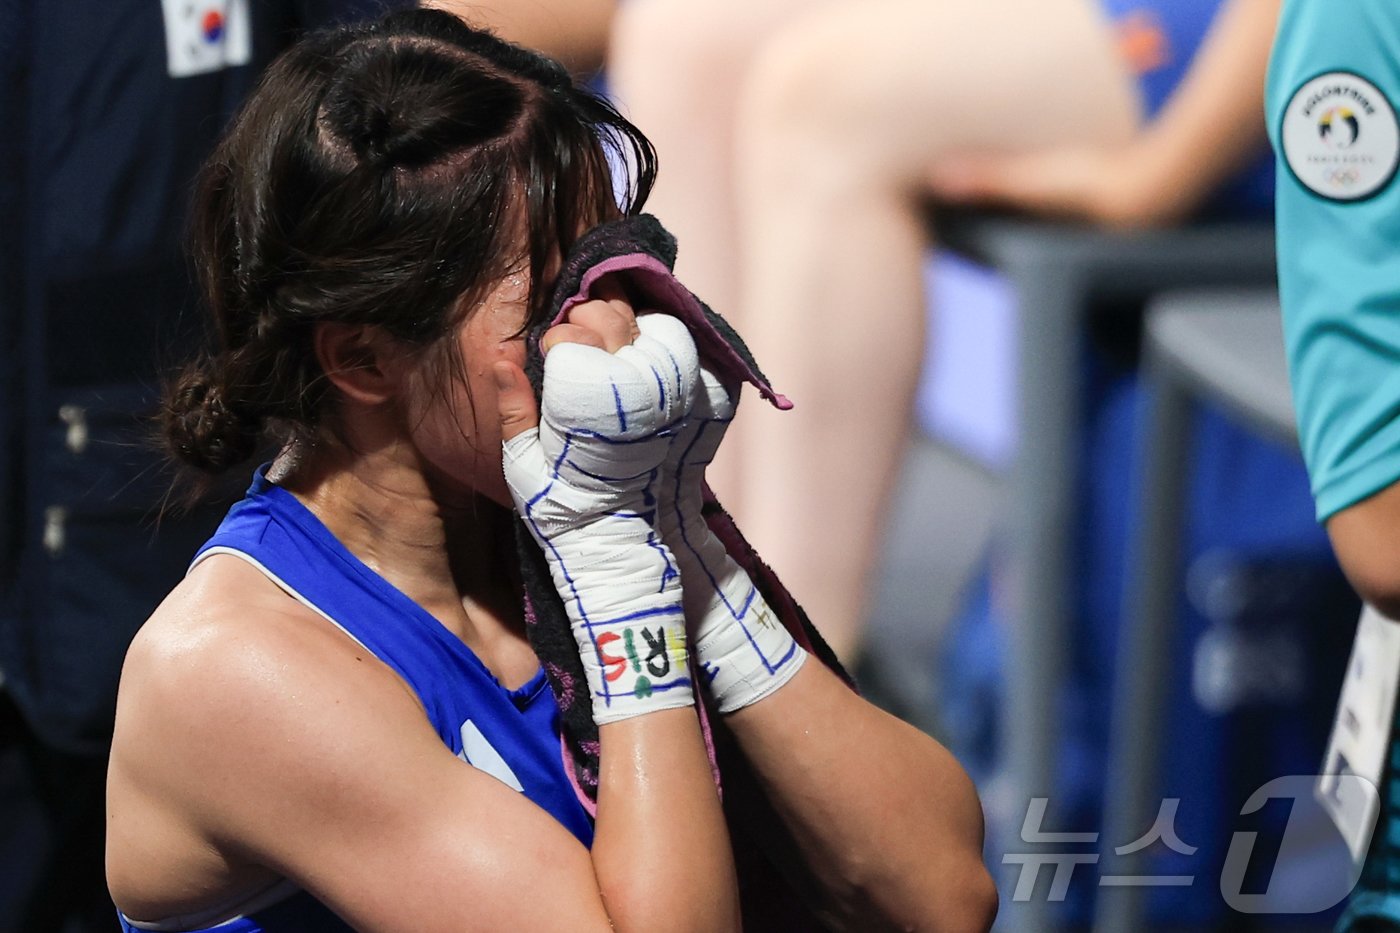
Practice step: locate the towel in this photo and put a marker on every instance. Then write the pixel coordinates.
(640, 254)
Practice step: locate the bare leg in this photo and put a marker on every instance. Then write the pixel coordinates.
(675, 69)
(843, 114)
(573, 31)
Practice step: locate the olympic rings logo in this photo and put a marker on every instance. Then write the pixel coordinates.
(1343, 176)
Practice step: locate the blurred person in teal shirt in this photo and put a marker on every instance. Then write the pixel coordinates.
(1333, 84)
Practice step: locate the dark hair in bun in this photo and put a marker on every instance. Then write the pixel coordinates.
(380, 174)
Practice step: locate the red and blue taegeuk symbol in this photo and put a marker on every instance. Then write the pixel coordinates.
(212, 26)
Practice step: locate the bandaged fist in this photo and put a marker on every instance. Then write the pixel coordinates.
(584, 481)
(618, 412)
(742, 648)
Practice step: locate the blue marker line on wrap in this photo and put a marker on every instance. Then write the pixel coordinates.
(685, 536)
(653, 613)
(741, 614)
(675, 365)
(666, 430)
(559, 461)
(660, 390)
(610, 479)
(670, 573)
(621, 415)
(607, 693)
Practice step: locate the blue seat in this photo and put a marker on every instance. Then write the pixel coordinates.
(1058, 274)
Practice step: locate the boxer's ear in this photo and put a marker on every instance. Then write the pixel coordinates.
(360, 360)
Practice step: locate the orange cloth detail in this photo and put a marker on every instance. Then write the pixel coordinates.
(1142, 42)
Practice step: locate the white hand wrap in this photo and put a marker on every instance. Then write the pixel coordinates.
(585, 481)
(742, 648)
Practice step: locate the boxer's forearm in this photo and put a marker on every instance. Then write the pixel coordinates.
(886, 819)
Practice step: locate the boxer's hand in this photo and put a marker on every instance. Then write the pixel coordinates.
(607, 323)
(584, 482)
(744, 651)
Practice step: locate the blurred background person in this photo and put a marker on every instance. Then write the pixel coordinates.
(108, 109)
(575, 32)
(801, 143)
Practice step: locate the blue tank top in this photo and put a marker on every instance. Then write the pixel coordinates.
(512, 735)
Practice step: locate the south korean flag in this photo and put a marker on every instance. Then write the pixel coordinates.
(205, 35)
